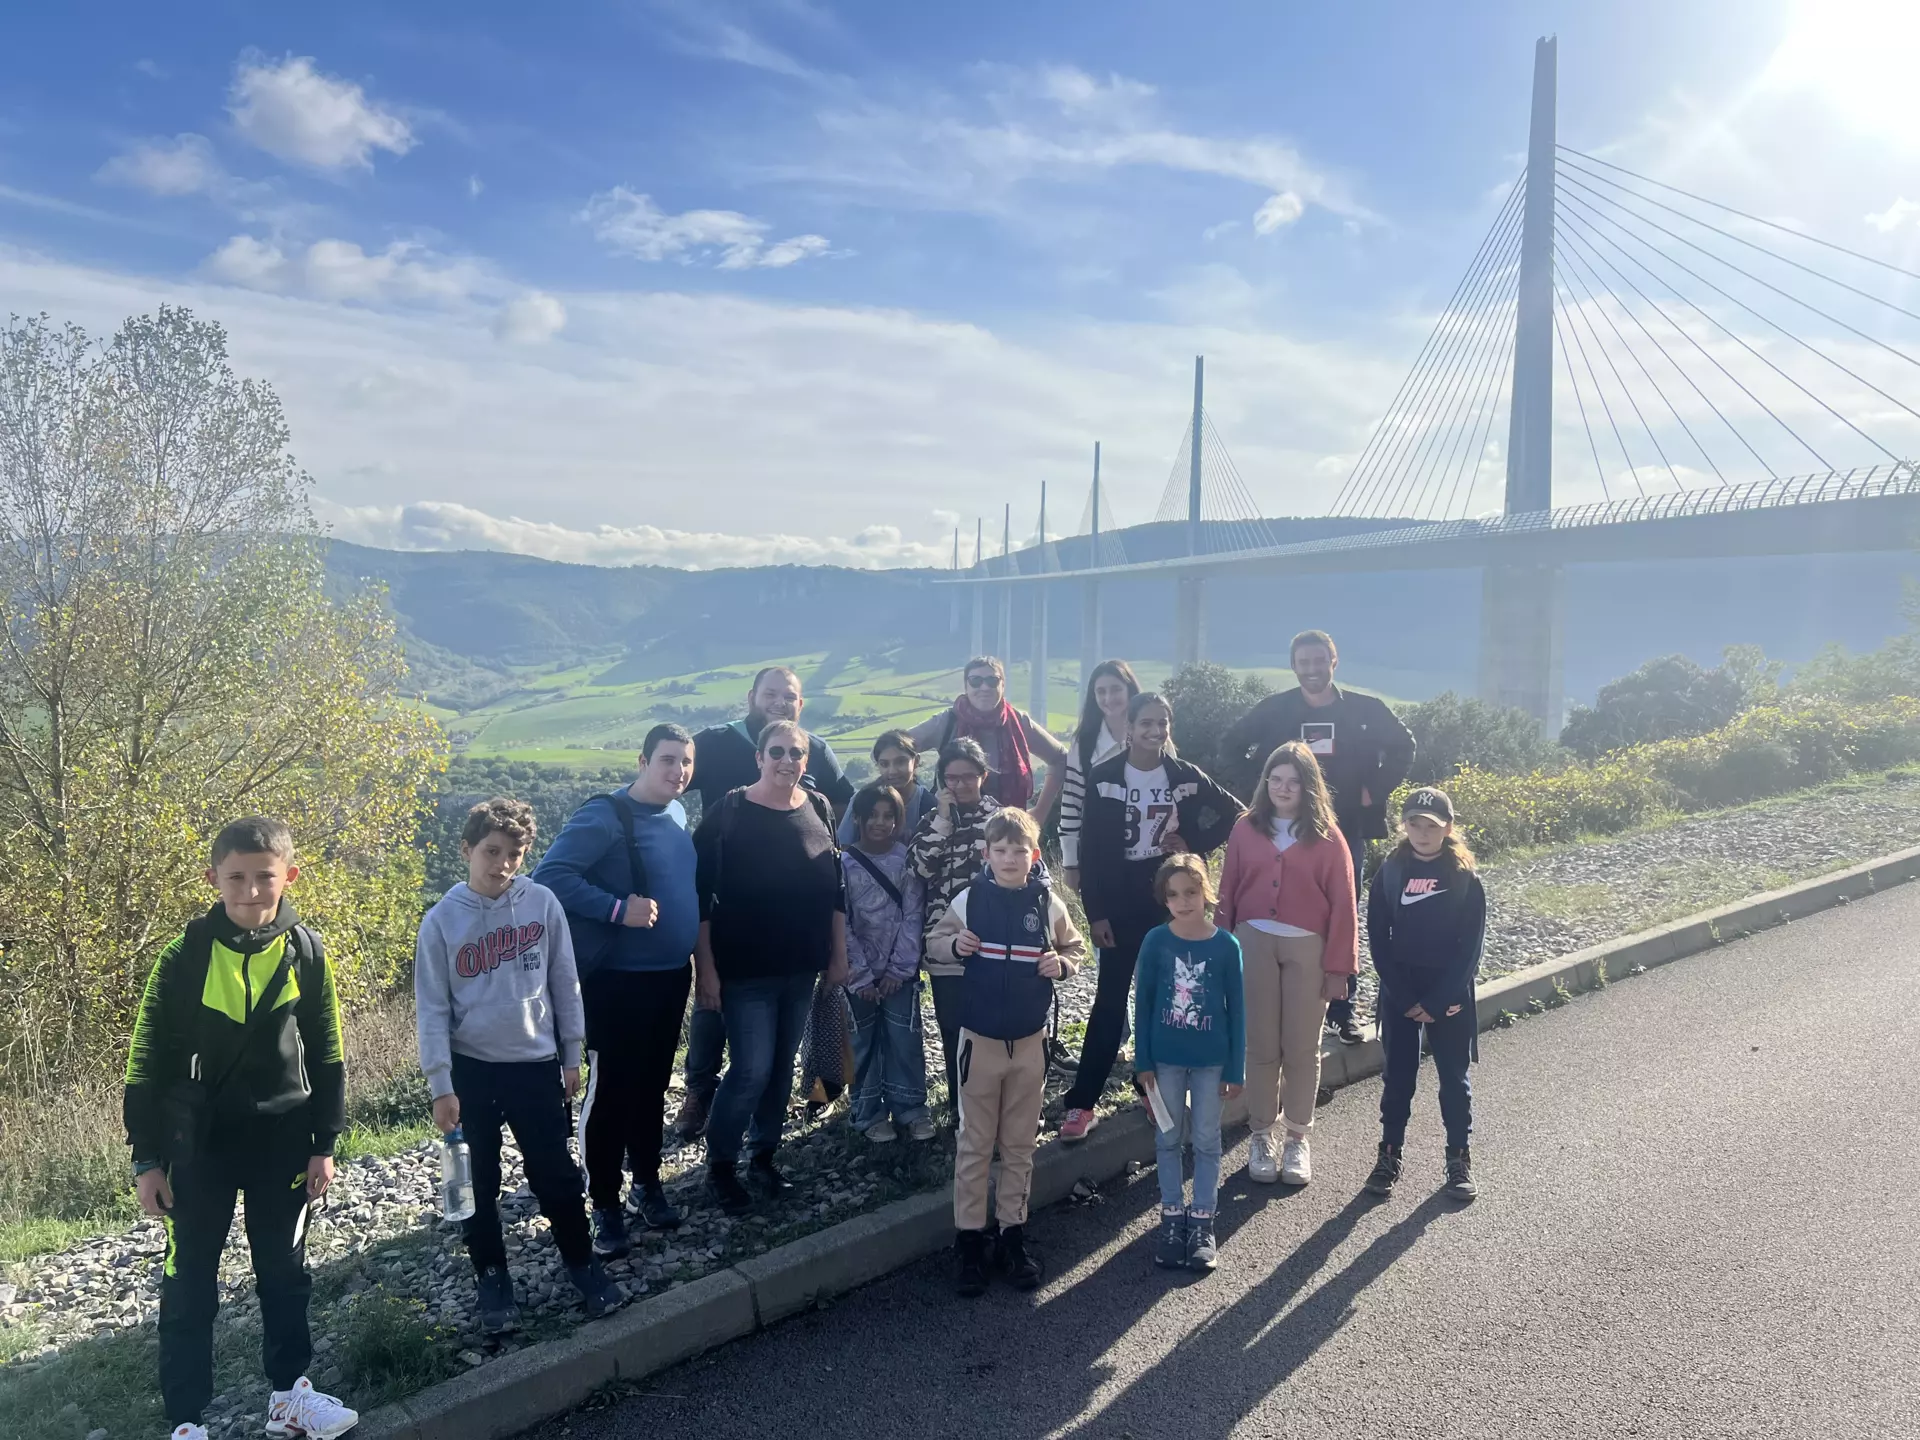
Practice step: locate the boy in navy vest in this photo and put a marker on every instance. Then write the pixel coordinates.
(1015, 939)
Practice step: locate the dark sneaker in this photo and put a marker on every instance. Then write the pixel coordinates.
(1022, 1267)
(499, 1312)
(764, 1173)
(971, 1246)
(1349, 1031)
(723, 1183)
(598, 1290)
(1386, 1171)
(650, 1203)
(1202, 1253)
(690, 1120)
(610, 1234)
(1171, 1252)
(1460, 1184)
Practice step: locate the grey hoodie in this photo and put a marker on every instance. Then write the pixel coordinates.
(494, 980)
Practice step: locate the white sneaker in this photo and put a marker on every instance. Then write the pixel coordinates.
(881, 1132)
(304, 1412)
(189, 1432)
(922, 1129)
(1260, 1164)
(1296, 1161)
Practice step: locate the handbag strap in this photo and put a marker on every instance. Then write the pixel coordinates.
(623, 807)
(879, 876)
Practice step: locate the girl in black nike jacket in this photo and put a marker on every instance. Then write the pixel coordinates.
(1426, 925)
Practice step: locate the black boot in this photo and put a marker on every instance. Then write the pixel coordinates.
(1386, 1171)
(723, 1183)
(1023, 1269)
(1460, 1184)
(650, 1203)
(762, 1171)
(971, 1245)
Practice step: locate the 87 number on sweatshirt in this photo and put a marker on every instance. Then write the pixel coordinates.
(1148, 810)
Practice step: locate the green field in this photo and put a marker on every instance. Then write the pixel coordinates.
(584, 716)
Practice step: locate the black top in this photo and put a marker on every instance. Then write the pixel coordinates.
(1426, 926)
(770, 885)
(725, 758)
(1360, 743)
(1111, 887)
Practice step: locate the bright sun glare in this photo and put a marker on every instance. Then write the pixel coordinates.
(1862, 56)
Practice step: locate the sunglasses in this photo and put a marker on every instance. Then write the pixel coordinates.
(983, 682)
(786, 752)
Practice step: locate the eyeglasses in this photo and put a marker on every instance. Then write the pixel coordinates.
(983, 682)
(786, 752)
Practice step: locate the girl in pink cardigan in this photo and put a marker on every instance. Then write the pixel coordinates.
(1286, 893)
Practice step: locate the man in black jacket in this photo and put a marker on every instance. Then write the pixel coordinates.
(729, 759)
(1363, 750)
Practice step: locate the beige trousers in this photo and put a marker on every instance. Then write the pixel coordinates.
(999, 1104)
(1282, 981)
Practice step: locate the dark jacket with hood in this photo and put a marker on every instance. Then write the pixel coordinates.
(1360, 743)
(1114, 888)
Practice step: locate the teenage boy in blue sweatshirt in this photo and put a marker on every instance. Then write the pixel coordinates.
(623, 868)
(497, 1009)
(1015, 939)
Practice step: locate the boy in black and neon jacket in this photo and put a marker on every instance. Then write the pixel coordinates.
(242, 1002)
(1015, 939)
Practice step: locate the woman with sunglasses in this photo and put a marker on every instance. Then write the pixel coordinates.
(772, 917)
(1010, 739)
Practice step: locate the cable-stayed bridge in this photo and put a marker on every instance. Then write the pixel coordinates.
(1736, 387)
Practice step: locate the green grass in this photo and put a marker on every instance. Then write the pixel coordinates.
(360, 1142)
(1567, 902)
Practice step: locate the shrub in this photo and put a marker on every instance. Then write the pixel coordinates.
(1207, 700)
(1665, 699)
(1453, 732)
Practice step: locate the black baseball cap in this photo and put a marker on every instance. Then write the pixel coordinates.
(1428, 800)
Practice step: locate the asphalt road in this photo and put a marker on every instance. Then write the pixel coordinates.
(1699, 1216)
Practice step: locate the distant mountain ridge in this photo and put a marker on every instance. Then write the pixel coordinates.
(472, 616)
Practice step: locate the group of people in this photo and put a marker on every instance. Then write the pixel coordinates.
(787, 884)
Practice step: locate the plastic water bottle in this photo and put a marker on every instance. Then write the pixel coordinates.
(456, 1177)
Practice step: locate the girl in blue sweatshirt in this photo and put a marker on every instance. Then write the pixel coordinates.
(1189, 1046)
(1426, 924)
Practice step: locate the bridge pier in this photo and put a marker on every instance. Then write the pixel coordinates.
(1090, 639)
(1037, 666)
(1190, 622)
(1521, 659)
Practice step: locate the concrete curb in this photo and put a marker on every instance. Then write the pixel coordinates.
(531, 1385)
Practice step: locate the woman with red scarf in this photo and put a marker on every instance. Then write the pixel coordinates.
(1012, 738)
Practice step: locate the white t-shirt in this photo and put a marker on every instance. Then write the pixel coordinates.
(1283, 840)
(1149, 802)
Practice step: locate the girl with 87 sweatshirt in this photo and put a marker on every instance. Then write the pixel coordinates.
(1426, 925)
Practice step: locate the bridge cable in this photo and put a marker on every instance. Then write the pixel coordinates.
(1580, 236)
(1479, 450)
(1565, 168)
(1494, 238)
(1455, 325)
(1579, 400)
(1485, 399)
(1593, 298)
(1770, 224)
(1757, 315)
(1742, 343)
(1574, 315)
(1593, 285)
(1477, 366)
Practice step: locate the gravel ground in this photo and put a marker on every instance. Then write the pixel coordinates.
(378, 1232)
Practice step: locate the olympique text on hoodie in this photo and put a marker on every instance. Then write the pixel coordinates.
(495, 980)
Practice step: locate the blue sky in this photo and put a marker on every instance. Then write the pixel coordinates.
(717, 281)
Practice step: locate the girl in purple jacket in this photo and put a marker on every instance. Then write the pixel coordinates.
(886, 910)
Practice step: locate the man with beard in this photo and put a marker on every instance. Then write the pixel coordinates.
(729, 759)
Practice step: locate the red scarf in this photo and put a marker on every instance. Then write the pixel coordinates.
(1010, 784)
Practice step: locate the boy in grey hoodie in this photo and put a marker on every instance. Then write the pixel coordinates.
(497, 1007)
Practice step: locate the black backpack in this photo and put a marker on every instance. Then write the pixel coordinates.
(594, 939)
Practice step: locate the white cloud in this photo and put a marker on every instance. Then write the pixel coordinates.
(530, 319)
(1894, 216)
(440, 525)
(634, 225)
(293, 111)
(340, 270)
(151, 69)
(474, 187)
(1279, 212)
(184, 165)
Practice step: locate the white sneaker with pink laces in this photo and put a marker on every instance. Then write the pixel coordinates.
(189, 1432)
(303, 1413)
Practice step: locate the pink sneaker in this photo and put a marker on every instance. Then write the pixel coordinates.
(1077, 1124)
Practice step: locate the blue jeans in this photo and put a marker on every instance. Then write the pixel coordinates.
(706, 1049)
(1193, 1097)
(1451, 1041)
(889, 1059)
(765, 1020)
